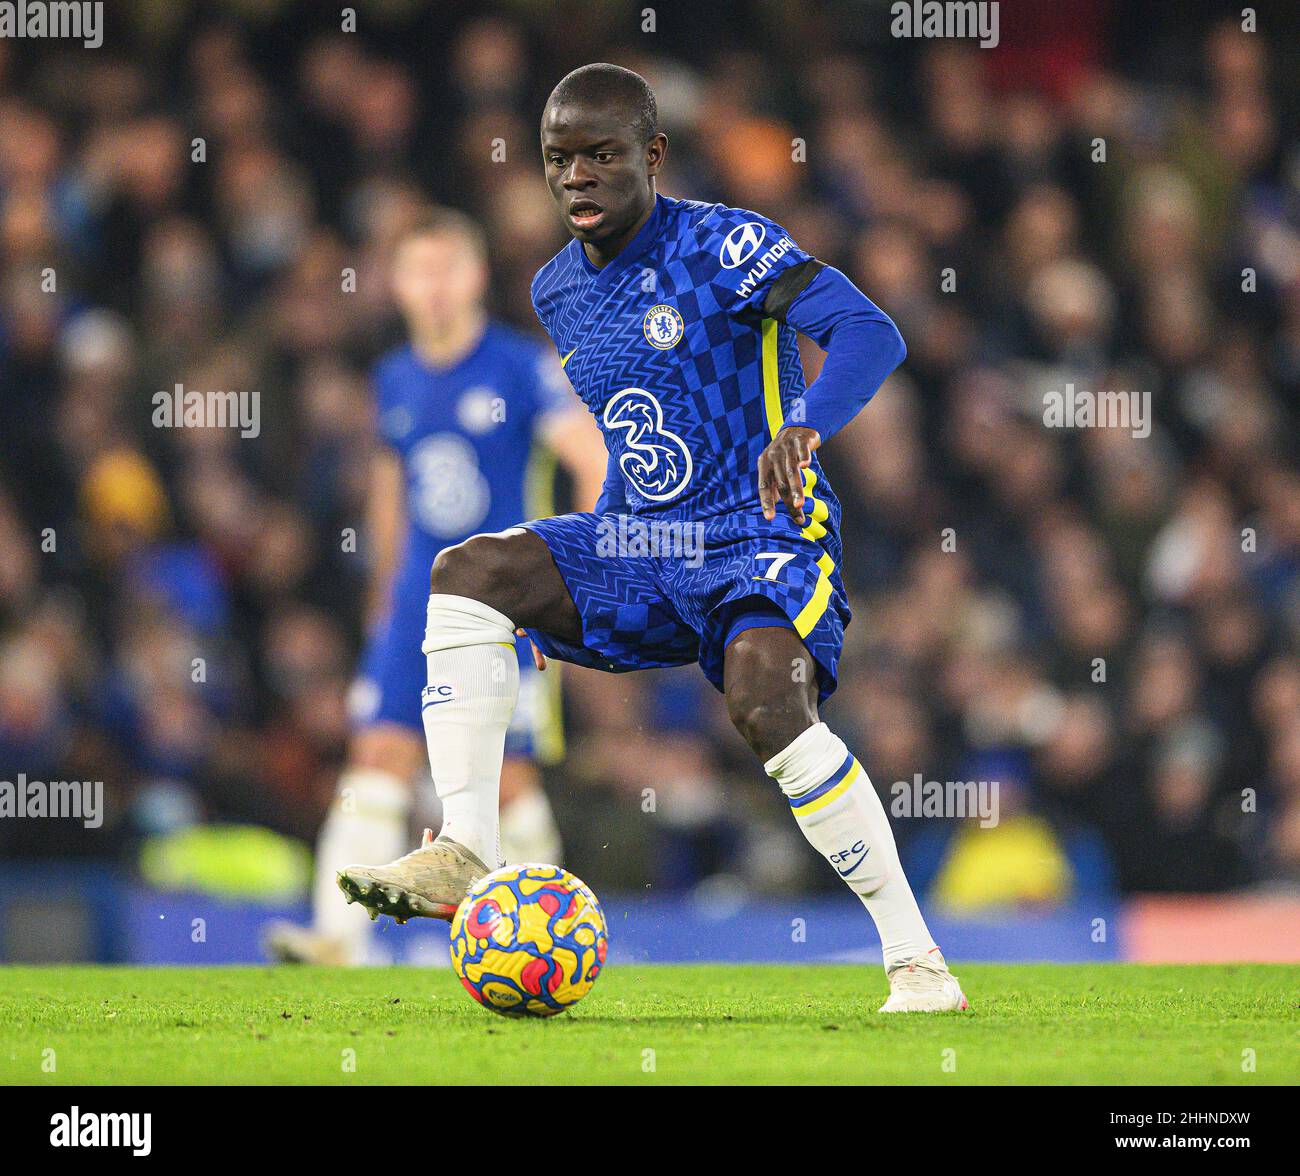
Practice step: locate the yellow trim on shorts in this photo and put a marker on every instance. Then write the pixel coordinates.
(816, 511)
(812, 612)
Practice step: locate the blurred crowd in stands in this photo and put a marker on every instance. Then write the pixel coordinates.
(1105, 624)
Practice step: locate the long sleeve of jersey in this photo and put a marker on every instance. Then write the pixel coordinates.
(861, 342)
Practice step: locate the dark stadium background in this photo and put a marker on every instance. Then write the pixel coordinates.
(1180, 773)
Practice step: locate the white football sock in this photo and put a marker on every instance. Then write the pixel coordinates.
(366, 823)
(839, 812)
(472, 690)
(528, 830)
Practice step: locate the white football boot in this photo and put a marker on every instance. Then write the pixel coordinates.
(428, 882)
(923, 984)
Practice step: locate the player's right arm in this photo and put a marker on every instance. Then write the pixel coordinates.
(386, 525)
(385, 515)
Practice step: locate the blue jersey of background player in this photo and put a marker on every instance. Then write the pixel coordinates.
(470, 418)
(465, 437)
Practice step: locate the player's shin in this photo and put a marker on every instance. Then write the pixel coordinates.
(366, 823)
(467, 706)
(839, 812)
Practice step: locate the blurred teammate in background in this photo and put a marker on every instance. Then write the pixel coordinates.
(471, 418)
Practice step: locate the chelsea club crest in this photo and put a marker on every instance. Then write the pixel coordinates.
(663, 326)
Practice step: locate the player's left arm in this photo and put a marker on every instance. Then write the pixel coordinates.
(759, 272)
(862, 347)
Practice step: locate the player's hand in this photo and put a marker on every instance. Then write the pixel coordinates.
(780, 470)
(539, 658)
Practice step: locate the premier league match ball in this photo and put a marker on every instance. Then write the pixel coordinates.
(528, 940)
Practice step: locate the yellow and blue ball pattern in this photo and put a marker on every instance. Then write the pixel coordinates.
(528, 940)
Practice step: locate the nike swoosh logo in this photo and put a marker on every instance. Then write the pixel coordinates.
(436, 702)
(567, 357)
(846, 873)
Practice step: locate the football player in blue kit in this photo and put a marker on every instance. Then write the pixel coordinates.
(471, 417)
(676, 321)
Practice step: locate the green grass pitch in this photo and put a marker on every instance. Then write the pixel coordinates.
(1029, 1023)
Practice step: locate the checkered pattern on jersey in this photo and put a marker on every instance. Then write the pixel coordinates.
(628, 621)
(711, 383)
(640, 612)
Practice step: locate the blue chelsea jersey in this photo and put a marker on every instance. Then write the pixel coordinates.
(465, 434)
(669, 348)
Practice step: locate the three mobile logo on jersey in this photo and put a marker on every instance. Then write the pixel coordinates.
(655, 461)
(448, 495)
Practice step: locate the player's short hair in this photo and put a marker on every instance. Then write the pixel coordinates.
(435, 221)
(602, 84)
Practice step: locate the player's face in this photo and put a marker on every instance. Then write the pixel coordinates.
(437, 278)
(602, 179)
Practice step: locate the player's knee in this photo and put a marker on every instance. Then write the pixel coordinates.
(475, 568)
